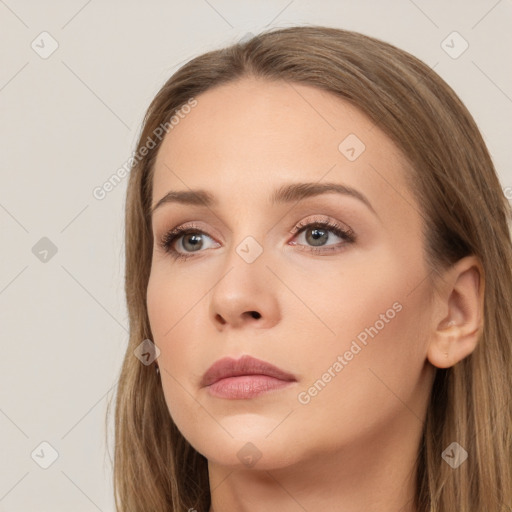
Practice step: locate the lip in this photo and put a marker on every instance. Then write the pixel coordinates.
(246, 377)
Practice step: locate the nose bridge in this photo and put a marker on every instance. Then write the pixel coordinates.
(244, 291)
(248, 236)
(246, 259)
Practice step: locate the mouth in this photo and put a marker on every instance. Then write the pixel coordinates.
(244, 378)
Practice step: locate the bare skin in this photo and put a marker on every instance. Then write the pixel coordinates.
(351, 443)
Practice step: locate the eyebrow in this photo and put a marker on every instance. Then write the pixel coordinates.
(285, 194)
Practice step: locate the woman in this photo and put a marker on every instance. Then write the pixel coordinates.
(318, 277)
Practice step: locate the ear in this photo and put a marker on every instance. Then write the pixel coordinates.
(459, 322)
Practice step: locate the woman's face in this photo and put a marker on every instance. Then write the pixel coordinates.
(346, 315)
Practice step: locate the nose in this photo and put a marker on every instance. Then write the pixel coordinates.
(246, 294)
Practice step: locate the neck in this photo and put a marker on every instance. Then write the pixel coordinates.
(376, 474)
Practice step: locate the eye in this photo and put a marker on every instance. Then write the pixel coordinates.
(190, 239)
(317, 233)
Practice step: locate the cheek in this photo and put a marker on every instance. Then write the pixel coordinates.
(380, 325)
(174, 312)
(173, 299)
(351, 296)
(375, 383)
(368, 299)
(160, 304)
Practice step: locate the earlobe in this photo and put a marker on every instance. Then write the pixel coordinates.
(456, 332)
(443, 351)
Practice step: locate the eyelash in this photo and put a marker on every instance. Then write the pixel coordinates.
(171, 236)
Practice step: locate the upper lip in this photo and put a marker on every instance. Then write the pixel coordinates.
(246, 365)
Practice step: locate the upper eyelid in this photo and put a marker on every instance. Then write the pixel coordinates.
(307, 220)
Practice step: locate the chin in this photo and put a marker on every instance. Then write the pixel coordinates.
(249, 448)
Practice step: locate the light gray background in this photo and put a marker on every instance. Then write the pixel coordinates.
(69, 121)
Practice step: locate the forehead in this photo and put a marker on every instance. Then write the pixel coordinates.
(252, 135)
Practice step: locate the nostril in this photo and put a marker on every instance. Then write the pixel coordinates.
(220, 319)
(255, 314)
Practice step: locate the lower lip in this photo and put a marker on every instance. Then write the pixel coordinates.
(246, 386)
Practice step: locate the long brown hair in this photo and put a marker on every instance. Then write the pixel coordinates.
(464, 210)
